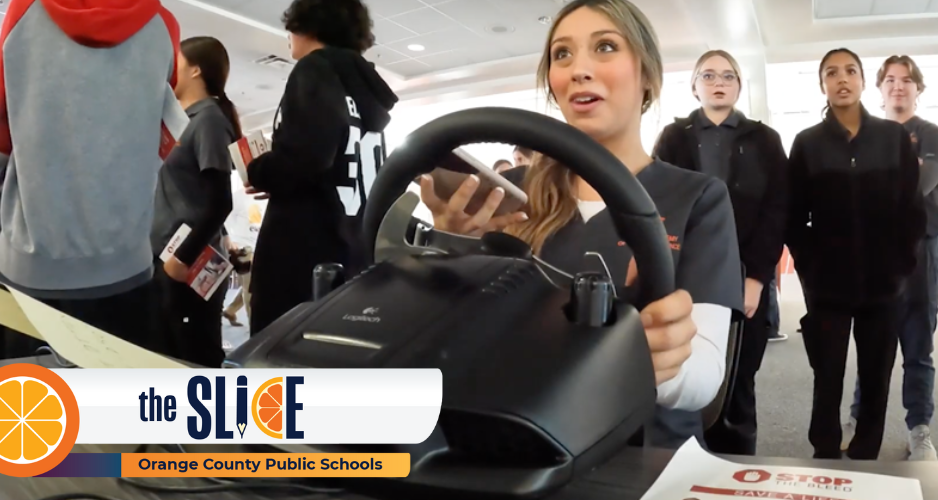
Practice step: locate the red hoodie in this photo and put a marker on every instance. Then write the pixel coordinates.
(93, 23)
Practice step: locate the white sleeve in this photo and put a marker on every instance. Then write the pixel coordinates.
(700, 378)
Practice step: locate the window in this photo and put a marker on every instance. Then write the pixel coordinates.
(796, 100)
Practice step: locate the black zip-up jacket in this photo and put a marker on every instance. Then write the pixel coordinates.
(865, 210)
(757, 185)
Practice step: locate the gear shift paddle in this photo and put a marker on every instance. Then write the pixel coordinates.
(326, 278)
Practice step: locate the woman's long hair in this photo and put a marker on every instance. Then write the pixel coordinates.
(212, 59)
(552, 201)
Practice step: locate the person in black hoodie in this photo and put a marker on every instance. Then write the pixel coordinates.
(749, 157)
(856, 220)
(326, 150)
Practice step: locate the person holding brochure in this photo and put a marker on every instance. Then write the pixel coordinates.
(325, 154)
(602, 66)
(76, 209)
(195, 189)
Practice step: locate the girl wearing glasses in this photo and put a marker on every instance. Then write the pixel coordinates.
(748, 156)
(855, 222)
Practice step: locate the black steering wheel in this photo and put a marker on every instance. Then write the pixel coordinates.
(633, 212)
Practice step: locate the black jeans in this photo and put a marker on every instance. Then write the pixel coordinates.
(191, 325)
(826, 332)
(128, 315)
(917, 320)
(773, 317)
(735, 432)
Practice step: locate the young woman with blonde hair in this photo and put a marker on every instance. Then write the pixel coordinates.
(602, 67)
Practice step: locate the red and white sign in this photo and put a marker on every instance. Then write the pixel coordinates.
(694, 474)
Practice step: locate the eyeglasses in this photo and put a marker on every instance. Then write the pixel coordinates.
(710, 78)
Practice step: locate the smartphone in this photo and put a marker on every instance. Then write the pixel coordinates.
(457, 166)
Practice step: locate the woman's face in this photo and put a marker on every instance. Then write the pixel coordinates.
(717, 84)
(842, 80)
(185, 74)
(594, 77)
(520, 159)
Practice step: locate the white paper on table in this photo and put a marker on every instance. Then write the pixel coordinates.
(83, 344)
(695, 474)
(12, 316)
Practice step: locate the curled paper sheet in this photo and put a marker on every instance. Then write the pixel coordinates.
(12, 316)
(74, 340)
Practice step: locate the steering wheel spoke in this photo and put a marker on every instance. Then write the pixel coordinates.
(394, 235)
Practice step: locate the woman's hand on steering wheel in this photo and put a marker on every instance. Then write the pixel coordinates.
(669, 329)
(450, 215)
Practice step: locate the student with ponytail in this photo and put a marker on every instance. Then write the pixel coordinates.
(602, 67)
(195, 189)
(856, 219)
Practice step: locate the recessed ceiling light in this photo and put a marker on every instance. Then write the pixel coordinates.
(544, 19)
(416, 47)
(500, 29)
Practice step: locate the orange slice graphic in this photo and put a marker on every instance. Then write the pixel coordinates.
(38, 420)
(267, 408)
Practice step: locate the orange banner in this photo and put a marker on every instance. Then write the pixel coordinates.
(265, 465)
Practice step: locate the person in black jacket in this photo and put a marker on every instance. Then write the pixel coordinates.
(324, 157)
(748, 156)
(901, 83)
(856, 220)
(194, 188)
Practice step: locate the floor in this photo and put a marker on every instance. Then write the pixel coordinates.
(233, 336)
(783, 387)
(784, 396)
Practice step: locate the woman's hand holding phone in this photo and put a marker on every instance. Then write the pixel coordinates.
(450, 215)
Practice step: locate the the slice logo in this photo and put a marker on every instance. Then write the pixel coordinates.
(752, 476)
(38, 420)
(267, 408)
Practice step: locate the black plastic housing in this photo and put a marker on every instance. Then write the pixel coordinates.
(530, 398)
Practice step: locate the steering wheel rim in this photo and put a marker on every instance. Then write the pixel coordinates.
(633, 212)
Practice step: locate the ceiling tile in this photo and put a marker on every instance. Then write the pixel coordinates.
(832, 9)
(388, 8)
(529, 10)
(440, 41)
(388, 31)
(477, 15)
(447, 60)
(487, 51)
(227, 4)
(268, 12)
(411, 67)
(381, 55)
(523, 41)
(423, 21)
(899, 7)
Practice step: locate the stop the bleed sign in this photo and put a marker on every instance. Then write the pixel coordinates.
(752, 476)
